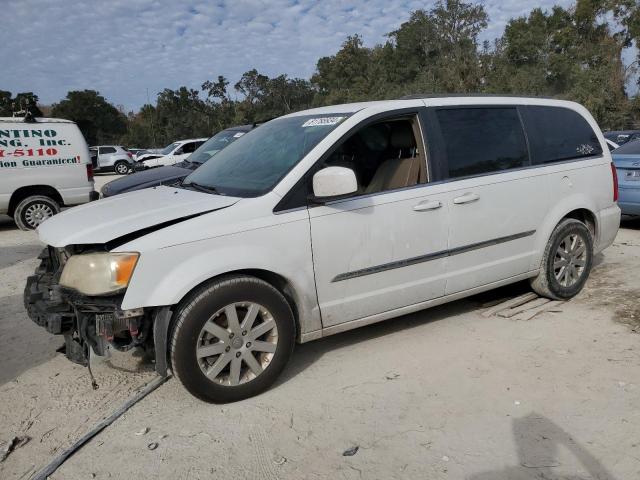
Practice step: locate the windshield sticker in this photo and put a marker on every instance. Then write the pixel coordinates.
(322, 122)
(238, 135)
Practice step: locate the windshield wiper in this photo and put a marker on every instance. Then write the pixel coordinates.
(201, 188)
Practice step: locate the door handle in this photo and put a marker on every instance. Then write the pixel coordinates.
(466, 198)
(427, 205)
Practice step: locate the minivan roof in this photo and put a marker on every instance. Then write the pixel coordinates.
(440, 100)
(37, 120)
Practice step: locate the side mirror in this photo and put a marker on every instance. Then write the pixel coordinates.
(334, 182)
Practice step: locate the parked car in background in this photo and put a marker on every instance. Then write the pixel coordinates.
(326, 220)
(44, 166)
(612, 145)
(622, 136)
(171, 154)
(112, 158)
(174, 173)
(627, 162)
(136, 151)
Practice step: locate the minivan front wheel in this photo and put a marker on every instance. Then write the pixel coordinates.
(232, 338)
(566, 262)
(32, 211)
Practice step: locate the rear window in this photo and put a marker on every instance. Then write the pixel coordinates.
(629, 148)
(482, 140)
(557, 134)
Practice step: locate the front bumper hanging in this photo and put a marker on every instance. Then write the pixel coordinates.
(86, 322)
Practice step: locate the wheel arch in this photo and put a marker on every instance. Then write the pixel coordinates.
(578, 208)
(23, 192)
(165, 318)
(587, 217)
(276, 280)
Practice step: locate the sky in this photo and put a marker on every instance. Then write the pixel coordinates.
(126, 48)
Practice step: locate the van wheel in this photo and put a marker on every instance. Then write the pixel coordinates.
(566, 262)
(232, 338)
(34, 210)
(121, 168)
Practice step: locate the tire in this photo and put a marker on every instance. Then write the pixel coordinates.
(562, 250)
(201, 322)
(34, 210)
(121, 168)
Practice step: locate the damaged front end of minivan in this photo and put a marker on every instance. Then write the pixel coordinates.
(87, 317)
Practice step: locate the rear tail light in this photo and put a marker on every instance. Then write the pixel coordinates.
(614, 174)
(130, 154)
(89, 172)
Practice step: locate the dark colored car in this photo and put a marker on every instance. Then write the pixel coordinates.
(170, 174)
(622, 136)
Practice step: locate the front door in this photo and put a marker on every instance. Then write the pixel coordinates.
(385, 247)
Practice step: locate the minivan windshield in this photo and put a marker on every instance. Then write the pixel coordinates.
(252, 165)
(216, 143)
(169, 148)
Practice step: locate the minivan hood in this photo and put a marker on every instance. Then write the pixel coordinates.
(114, 217)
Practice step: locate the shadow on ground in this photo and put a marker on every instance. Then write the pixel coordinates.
(537, 442)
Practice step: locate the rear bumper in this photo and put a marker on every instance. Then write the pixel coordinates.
(77, 196)
(608, 224)
(629, 200)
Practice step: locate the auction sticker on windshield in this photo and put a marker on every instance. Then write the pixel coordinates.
(322, 121)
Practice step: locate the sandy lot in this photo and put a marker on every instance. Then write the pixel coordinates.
(446, 393)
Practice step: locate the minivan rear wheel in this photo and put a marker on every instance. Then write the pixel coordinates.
(566, 262)
(232, 338)
(33, 210)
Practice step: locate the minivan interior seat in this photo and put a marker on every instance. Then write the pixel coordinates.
(403, 169)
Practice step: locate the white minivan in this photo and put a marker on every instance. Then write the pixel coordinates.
(326, 220)
(44, 165)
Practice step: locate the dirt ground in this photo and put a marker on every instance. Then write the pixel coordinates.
(445, 393)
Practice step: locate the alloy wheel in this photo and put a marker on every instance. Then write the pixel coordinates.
(122, 168)
(237, 343)
(570, 260)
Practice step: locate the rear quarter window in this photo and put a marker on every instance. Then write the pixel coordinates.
(557, 134)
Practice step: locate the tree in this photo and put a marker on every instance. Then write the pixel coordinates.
(98, 120)
(23, 102)
(182, 114)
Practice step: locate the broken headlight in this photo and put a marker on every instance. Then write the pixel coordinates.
(99, 273)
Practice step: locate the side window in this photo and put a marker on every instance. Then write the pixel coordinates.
(386, 155)
(482, 140)
(190, 147)
(107, 150)
(558, 134)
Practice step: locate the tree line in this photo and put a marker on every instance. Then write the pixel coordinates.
(571, 53)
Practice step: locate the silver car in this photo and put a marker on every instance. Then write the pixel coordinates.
(112, 158)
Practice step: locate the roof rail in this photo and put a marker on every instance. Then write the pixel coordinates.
(416, 96)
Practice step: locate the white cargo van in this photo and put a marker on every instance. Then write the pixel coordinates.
(44, 165)
(327, 220)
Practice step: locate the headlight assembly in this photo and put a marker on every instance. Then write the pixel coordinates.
(99, 273)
